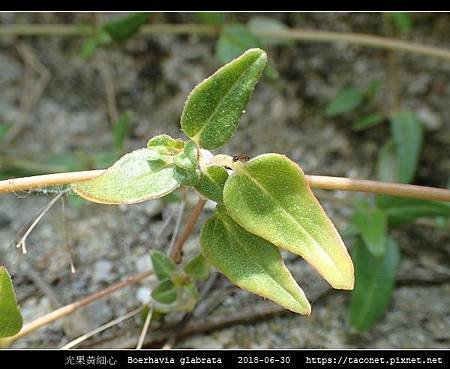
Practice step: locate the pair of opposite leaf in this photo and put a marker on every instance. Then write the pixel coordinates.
(265, 204)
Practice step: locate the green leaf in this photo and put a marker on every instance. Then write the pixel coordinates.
(10, 317)
(233, 41)
(125, 27)
(210, 18)
(165, 292)
(91, 43)
(165, 145)
(138, 176)
(188, 158)
(269, 196)
(368, 121)
(187, 171)
(4, 127)
(373, 89)
(192, 290)
(407, 133)
(372, 224)
(104, 159)
(121, 130)
(198, 268)
(347, 99)
(250, 262)
(213, 108)
(374, 283)
(403, 210)
(387, 163)
(211, 183)
(265, 24)
(162, 265)
(402, 21)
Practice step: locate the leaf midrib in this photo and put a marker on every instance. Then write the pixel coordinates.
(245, 172)
(216, 109)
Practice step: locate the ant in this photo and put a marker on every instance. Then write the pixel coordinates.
(240, 157)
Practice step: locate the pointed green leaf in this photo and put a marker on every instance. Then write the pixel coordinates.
(402, 21)
(4, 128)
(125, 27)
(266, 24)
(270, 197)
(198, 268)
(213, 108)
(165, 292)
(211, 182)
(368, 121)
(233, 41)
(10, 317)
(374, 283)
(250, 262)
(138, 176)
(403, 210)
(372, 224)
(210, 18)
(91, 43)
(121, 130)
(162, 265)
(373, 89)
(407, 133)
(346, 100)
(387, 163)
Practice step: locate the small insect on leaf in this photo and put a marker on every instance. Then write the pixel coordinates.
(139, 176)
(269, 196)
(10, 317)
(241, 157)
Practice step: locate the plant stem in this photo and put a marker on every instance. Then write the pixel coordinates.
(38, 182)
(385, 188)
(319, 182)
(359, 39)
(175, 253)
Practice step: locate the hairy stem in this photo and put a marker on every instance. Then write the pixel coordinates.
(319, 182)
(308, 35)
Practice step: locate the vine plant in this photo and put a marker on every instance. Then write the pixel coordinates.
(263, 204)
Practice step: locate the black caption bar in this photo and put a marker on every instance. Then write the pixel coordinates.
(98, 359)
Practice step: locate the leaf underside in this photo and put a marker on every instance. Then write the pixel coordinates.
(270, 197)
(138, 176)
